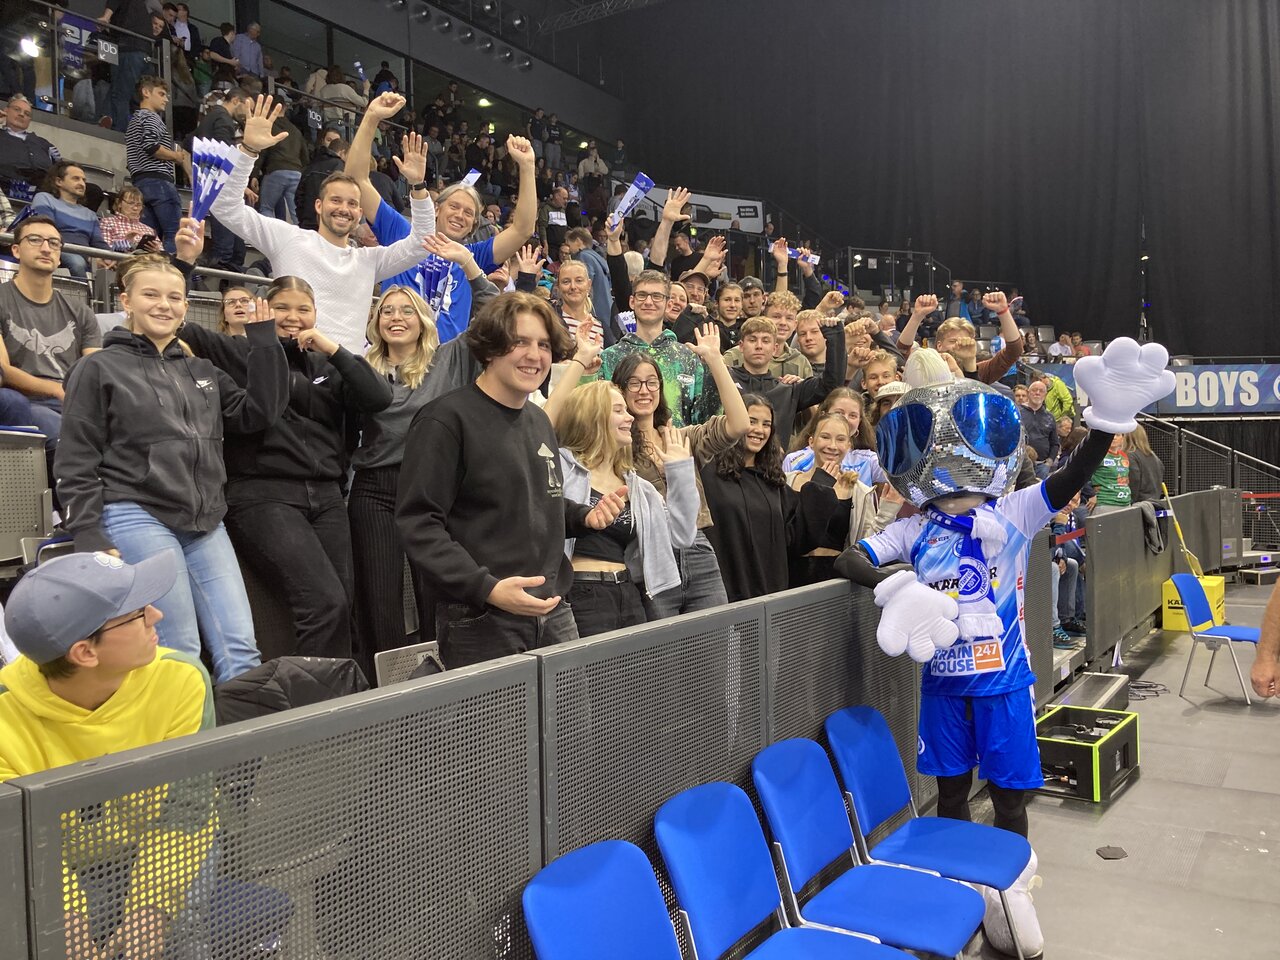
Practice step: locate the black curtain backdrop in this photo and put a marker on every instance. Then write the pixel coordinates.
(1023, 139)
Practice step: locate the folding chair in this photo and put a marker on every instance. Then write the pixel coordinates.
(1200, 621)
(599, 901)
(718, 861)
(877, 790)
(814, 845)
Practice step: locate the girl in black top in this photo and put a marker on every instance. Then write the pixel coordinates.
(285, 509)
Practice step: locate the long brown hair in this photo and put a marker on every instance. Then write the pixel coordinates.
(864, 439)
(731, 463)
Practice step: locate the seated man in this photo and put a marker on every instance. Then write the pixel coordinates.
(24, 156)
(90, 681)
(61, 199)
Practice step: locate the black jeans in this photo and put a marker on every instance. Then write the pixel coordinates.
(295, 534)
(470, 634)
(379, 569)
(601, 607)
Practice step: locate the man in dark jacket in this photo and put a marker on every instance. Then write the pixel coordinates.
(222, 123)
(281, 167)
(1041, 428)
(793, 394)
(326, 160)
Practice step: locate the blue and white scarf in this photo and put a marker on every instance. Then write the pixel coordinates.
(982, 535)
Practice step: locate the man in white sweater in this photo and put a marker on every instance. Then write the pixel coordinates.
(342, 276)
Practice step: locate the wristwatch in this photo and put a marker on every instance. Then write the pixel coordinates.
(420, 186)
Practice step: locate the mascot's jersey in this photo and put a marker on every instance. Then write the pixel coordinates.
(983, 667)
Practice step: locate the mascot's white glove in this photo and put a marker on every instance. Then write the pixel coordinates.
(915, 619)
(1124, 380)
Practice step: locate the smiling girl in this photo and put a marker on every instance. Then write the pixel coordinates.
(139, 464)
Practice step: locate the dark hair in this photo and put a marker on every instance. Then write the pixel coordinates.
(170, 6)
(579, 235)
(492, 333)
(56, 173)
(21, 226)
(335, 75)
(150, 83)
(59, 668)
(729, 465)
(625, 370)
(225, 28)
(1072, 440)
(337, 176)
(281, 284)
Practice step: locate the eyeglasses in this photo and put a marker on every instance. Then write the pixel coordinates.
(237, 302)
(37, 242)
(405, 311)
(635, 386)
(137, 616)
(653, 295)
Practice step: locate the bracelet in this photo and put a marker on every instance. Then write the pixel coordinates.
(249, 150)
(577, 361)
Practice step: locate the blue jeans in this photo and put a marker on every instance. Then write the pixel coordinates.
(1064, 589)
(208, 598)
(276, 199)
(701, 586)
(226, 250)
(15, 409)
(124, 79)
(77, 264)
(162, 208)
(46, 413)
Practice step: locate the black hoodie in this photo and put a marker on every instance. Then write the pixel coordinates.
(788, 398)
(308, 441)
(146, 427)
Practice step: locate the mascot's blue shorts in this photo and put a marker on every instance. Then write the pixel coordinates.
(998, 733)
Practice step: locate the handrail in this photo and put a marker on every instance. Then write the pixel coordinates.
(58, 11)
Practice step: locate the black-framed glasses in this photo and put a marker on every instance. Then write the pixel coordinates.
(657, 296)
(137, 616)
(635, 386)
(37, 242)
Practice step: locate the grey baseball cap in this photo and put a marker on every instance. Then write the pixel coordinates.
(751, 283)
(70, 598)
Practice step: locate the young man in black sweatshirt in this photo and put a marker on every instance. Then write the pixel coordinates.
(481, 508)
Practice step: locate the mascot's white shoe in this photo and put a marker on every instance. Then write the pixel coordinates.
(1023, 910)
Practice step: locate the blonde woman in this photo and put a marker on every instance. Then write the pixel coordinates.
(614, 569)
(1146, 471)
(402, 345)
(139, 463)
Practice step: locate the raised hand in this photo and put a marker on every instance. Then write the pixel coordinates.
(413, 167)
(925, 304)
(500, 277)
(259, 123)
(188, 242)
(706, 342)
(385, 106)
(830, 304)
(445, 248)
(259, 311)
(677, 197)
(607, 509)
(316, 342)
(914, 619)
(859, 356)
(996, 302)
(677, 446)
(779, 250)
(1124, 380)
(803, 263)
(528, 260)
(521, 151)
(590, 341)
(966, 348)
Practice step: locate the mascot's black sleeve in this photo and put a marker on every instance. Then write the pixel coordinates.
(1065, 482)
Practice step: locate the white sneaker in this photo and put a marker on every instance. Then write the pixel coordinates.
(1022, 908)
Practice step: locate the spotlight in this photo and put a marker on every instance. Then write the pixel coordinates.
(525, 64)
(485, 45)
(466, 35)
(398, 4)
(423, 15)
(489, 8)
(1144, 257)
(857, 258)
(484, 102)
(506, 54)
(444, 24)
(29, 47)
(582, 145)
(519, 21)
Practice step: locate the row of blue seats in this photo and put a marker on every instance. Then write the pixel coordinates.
(839, 898)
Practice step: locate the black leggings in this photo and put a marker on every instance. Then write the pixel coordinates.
(1010, 805)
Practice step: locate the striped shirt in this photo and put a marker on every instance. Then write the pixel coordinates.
(147, 132)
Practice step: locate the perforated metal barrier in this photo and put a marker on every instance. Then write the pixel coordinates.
(1037, 612)
(398, 823)
(13, 874)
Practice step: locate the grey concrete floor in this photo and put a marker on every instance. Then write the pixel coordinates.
(1201, 825)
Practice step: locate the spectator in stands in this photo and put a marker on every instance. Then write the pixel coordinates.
(618, 160)
(1080, 348)
(956, 337)
(810, 341)
(61, 199)
(1033, 351)
(957, 303)
(1040, 428)
(226, 68)
(785, 398)
(282, 167)
(459, 210)
(343, 102)
(139, 462)
(239, 308)
(285, 509)
(582, 247)
(42, 333)
(1146, 471)
(186, 31)
(976, 311)
(1020, 396)
(1062, 348)
(133, 53)
(614, 569)
(91, 681)
(553, 220)
(535, 128)
(1110, 481)
(644, 387)
(496, 564)
(150, 156)
(1059, 399)
(886, 397)
(25, 156)
(123, 230)
(861, 457)
(330, 157)
(342, 278)
(592, 170)
(690, 395)
(782, 308)
(551, 146)
(573, 283)
(221, 122)
(246, 49)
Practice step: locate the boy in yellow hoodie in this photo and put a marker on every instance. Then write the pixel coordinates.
(91, 680)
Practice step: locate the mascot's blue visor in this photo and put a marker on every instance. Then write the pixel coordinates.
(987, 422)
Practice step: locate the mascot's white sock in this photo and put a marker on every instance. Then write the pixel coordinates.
(996, 925)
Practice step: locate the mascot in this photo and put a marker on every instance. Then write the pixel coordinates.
(952, 447)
